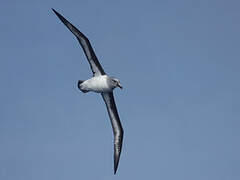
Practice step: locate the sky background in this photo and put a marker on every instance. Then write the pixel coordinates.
(180, 108)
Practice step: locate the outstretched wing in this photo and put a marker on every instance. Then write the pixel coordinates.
(116, 125)
(87, 48)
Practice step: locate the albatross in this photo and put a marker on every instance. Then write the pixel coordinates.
(99, 83)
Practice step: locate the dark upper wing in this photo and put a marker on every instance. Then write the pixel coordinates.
(116, 125)
(87, 48)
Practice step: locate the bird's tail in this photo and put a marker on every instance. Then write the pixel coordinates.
(80, 82)
(79, 86)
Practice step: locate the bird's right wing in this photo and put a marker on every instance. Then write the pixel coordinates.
(116, 125)
(87, 48)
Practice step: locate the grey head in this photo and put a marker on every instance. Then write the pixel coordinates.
(114, 82)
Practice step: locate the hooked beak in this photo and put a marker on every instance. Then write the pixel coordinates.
(120, 86)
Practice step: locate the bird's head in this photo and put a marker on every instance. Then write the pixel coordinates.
(115, 83)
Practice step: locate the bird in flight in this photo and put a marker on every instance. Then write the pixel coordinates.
(99, 83)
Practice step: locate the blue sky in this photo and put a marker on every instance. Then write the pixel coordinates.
(178, 62)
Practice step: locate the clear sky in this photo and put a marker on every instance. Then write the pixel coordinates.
(179, 64)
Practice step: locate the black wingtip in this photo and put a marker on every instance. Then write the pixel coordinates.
(54, 11)
(116, 161)
(59, 15)
(68, 24)
(115, 169)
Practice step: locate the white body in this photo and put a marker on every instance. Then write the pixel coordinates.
(97, 84)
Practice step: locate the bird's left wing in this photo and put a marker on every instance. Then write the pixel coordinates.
(87, 48)
(116, 125)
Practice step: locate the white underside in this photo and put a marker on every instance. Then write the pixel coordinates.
(97, 84)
